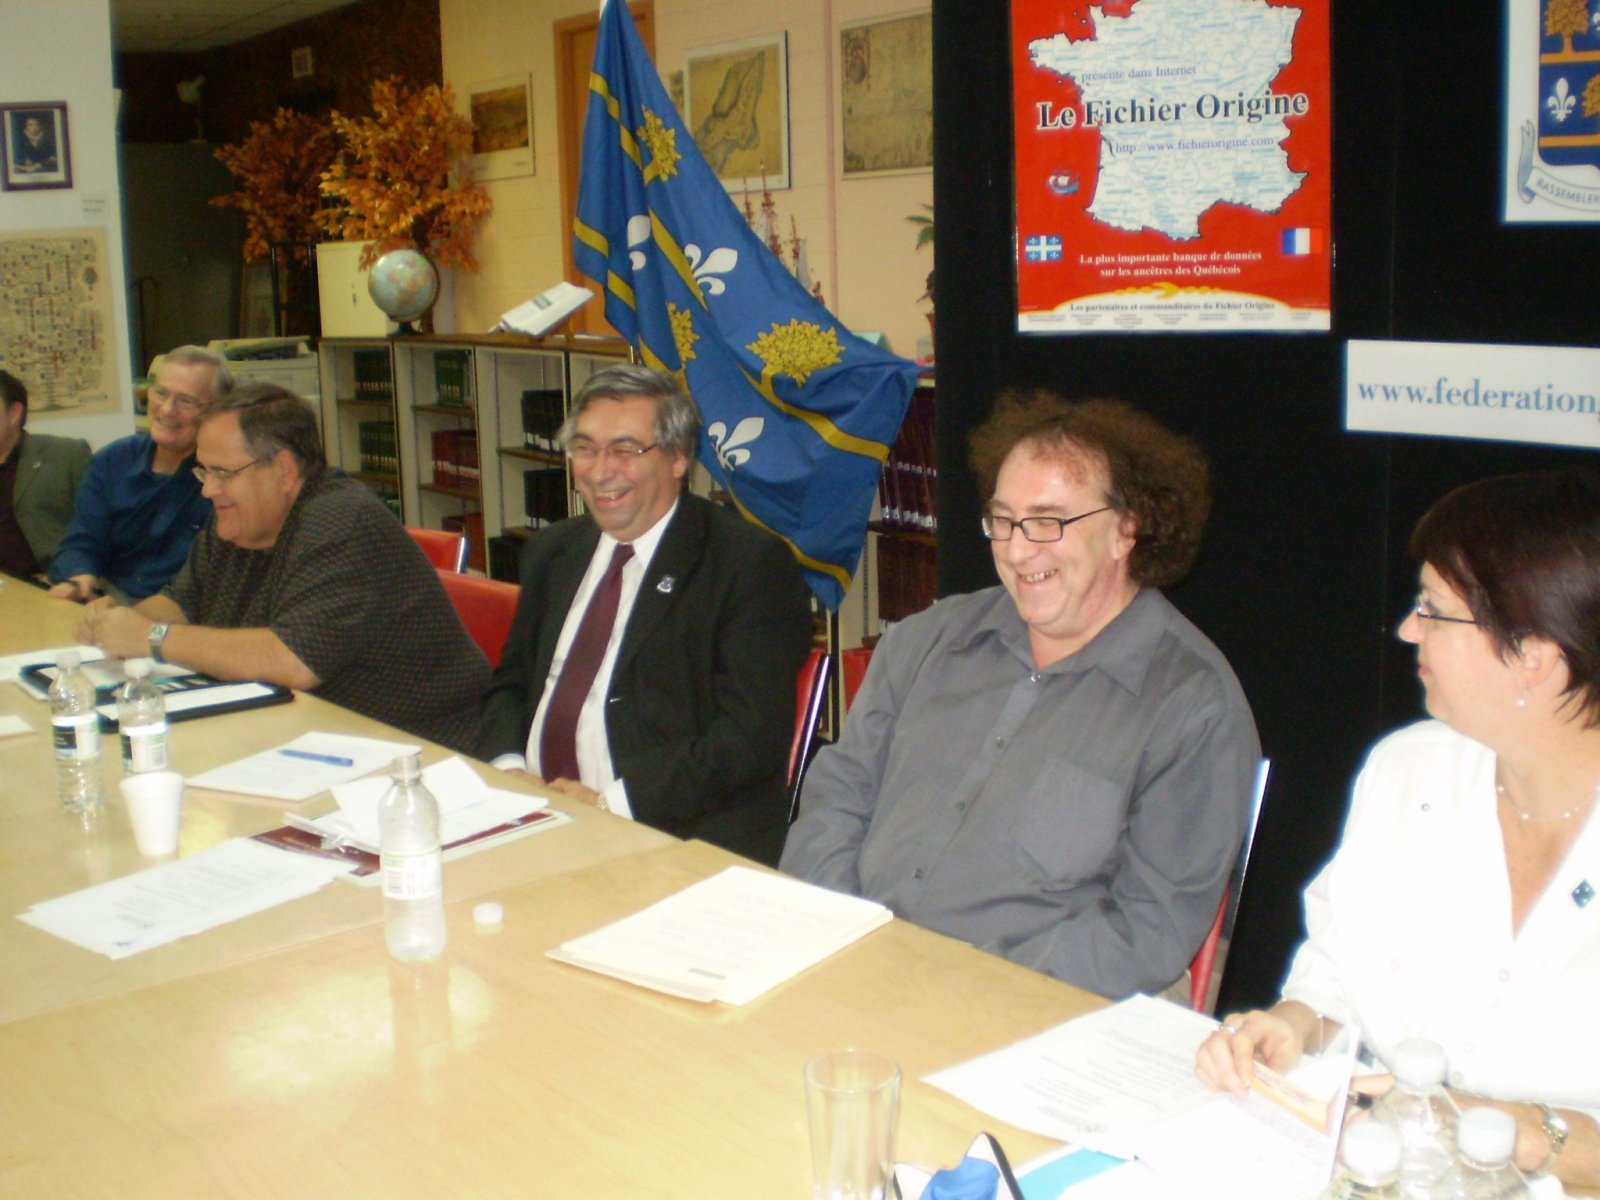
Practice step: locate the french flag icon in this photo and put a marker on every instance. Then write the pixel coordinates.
(1298, 242)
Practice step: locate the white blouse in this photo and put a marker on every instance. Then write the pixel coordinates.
(1409, 930)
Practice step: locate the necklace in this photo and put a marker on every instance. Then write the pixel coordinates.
(1524, 815)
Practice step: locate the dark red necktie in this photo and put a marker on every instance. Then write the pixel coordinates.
(558, 744)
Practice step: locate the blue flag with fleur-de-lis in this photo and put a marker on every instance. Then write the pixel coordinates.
(799, 412)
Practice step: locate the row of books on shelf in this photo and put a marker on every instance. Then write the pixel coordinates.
(372, 378)
(452, 378)
(379, 453)
(908, 486)
(455, 458)
(908, 577)
(543, 410)
(544, 494)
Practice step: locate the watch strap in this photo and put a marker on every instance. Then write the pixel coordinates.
(1555, 1128)
(157, 635)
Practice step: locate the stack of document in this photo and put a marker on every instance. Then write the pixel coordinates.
(728, 938)
(305, 767)
(176, 899)
(472, 817)
(1121, 1081)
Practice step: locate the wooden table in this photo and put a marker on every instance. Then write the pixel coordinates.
(330, 1070)
(287, 1055)
(47, 852)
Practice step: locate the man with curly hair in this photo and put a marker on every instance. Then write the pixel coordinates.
(1058, 769)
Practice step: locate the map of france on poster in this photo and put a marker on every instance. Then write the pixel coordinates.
(1173, 165)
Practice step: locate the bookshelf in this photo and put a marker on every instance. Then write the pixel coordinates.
(906, 528)
(359, 428)
(458, 432)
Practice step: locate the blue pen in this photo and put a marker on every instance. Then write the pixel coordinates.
(333, 760)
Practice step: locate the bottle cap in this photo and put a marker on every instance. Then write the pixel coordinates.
(68, 660)
(1419, 1063)
(1370, 1150)
(488, 913)
(1487, 1135)
(136, 668)
(407, 766)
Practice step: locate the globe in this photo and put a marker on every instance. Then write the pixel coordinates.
(404, 284)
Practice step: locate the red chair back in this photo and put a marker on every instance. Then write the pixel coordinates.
(446, 549)
(853, 664)
(486, 607)
(811, 692)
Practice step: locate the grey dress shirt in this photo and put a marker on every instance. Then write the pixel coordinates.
(1079, 819)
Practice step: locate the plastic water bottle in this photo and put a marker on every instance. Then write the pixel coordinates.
(1483, 1170)
(1422, 1114)
(413, 868)
(1369, 1158)
(142, 720)
(75, 728)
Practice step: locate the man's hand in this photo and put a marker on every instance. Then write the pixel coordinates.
(573, 790)
(120, 632)
(76, 587)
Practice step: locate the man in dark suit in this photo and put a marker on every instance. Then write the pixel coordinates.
(651, 667)
(39, 476)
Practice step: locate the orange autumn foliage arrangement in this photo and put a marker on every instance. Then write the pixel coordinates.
(279, 166)
(391, 180)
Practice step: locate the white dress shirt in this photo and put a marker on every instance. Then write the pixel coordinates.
(594, 752)
(1409, 929)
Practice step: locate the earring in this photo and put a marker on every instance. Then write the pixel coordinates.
(1522, 700)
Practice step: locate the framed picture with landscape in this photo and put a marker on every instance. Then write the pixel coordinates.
(34, 137)
(501, 112)
(886, 95)
(736, 104)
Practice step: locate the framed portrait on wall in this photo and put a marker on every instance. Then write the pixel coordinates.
(736, 104)
(37, 154)
(501, 111)
(886, 95)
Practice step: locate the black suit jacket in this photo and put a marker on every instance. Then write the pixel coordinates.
(700, 711)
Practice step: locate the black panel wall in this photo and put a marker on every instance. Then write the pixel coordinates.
(1304, 575)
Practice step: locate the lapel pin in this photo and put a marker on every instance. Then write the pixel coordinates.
(666, 584)
(1582, 894)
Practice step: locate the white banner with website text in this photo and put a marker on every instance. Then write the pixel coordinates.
(1545, 394)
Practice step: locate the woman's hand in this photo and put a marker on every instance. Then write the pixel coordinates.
(1226, 1060)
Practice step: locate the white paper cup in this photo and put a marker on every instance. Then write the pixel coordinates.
(853, 1101)
(155, 808)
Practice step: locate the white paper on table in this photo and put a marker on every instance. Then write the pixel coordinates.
(730, 937)
(467, 806)
(282, 776)
(186, 896)
(12, 664)
(12, 726)
(1131, 1063)
(1121, 1080)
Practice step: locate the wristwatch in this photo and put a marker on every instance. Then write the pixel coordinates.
(1555, 1128)
(158, 634)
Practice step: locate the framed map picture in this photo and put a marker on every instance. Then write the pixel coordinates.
(886, 95)
(736, 102)
(501, 111)
(34, 137)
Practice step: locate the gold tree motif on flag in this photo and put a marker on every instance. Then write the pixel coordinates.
(798, 349)
(1566, 19)
(662, 142)
(683, 335)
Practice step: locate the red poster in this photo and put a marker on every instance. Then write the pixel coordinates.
(1172, 165)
